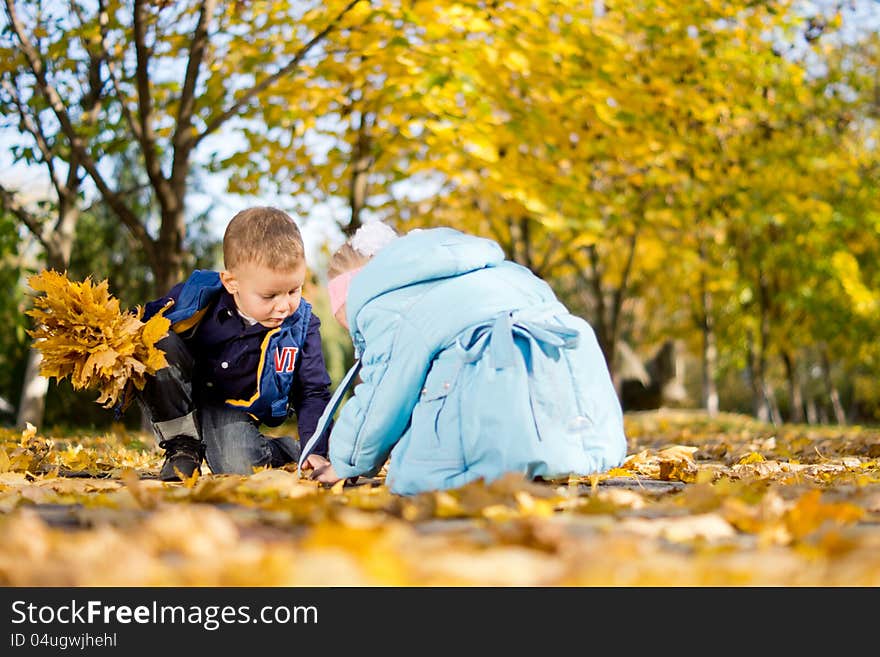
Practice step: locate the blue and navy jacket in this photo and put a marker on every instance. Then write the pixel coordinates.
(268, 373)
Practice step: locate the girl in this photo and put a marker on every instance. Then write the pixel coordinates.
(470, 367)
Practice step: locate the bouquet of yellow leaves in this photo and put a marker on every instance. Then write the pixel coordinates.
(81, 333)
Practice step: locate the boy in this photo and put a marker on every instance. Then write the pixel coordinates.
(244, 349)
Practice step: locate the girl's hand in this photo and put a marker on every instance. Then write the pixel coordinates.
(314, 462)
(321, 469)
(326, 474)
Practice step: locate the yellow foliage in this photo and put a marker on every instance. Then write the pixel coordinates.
(809, 514)
(864, 300)
(82, 333)
(753, 457)
(633, 530)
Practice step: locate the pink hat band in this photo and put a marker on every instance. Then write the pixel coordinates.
(337, 288)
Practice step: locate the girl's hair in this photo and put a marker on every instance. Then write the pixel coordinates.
(264, 236)
(344, 259)
(363, 245)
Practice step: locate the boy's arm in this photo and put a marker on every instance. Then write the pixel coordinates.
(152, 307)
(311, 387)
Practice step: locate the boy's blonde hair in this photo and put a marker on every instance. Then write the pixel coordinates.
(263, 236)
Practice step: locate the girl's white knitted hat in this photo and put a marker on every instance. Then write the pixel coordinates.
(370, 238)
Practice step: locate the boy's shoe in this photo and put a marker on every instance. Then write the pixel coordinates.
(183, 455)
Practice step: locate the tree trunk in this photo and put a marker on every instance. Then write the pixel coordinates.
(837, 407)
(710, 366)
(521, 241)
(812, 411)
(709, 389)
(362, 162)
(756, 379)
(833, 393)
(171, 252)
(772, 405)
(33, 393)
(758, 354)
(58, 245)
(795, 393)
(607, 322)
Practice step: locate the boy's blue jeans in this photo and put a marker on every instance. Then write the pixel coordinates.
(232, 438)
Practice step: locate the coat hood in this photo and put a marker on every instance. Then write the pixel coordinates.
(419, 256)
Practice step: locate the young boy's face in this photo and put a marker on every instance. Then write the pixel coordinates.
(266, 295)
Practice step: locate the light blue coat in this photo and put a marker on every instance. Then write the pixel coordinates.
(470, 368)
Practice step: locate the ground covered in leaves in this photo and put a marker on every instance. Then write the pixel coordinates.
(699, 502)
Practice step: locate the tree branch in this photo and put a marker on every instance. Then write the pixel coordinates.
(145, 100)
(28, 218)
(27, 123)
(548, 262)
(125, 214)
(624, 279)
(235, 108)
(122, 193)
(602, 325)
(111, 71)
(183, 140)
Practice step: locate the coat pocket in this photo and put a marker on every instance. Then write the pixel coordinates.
(557, 410)
(435, 428)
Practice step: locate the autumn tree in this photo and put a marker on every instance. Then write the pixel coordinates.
(52, 221)
(86, 80)
(174, 75)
